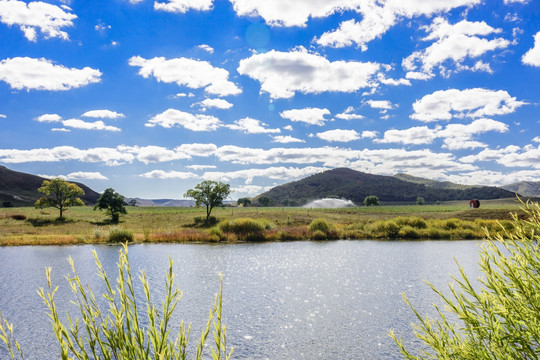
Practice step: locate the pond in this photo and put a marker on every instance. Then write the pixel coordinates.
(295, 300)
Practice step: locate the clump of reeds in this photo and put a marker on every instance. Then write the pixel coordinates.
(246, 228)
(119, 235)
(115, 330)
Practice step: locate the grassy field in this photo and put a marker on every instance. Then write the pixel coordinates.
(29, 226)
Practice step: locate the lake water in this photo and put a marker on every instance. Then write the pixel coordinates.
(296, 300)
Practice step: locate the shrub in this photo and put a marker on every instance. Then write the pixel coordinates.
(318, 235)
(99, 233)
(246, 228)
(413, 221)
(113, 328)
(499, 321)
(408, 232)
(319, 225)
(18, 216)
(119, 235)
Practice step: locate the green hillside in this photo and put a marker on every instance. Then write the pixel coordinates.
(20, 189)
(525, 188)
(356, 185)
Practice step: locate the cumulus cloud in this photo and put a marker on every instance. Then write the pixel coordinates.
(282, 74)
(532, 57)
(29, 17)
(311, 116)
(109, 156)
(183, 6)
(197, 149)
(161, 174)
(456, 136)
(173, 118)
(510, 156)
(381, 104)
(42, 74)
(454, 43)
(206, 48)
(368, 134)
(252, 126)
(290, 13)
(85, 175)
(493, 178)
(85, 125)
(49, 118)
(287, 139)
(473, 103)
(214, 103)
(194, 74)
(276, 173)
(103, 114)
(338, 135)
(3, 116)
(201, 167)
(378, 17)
(349, 115)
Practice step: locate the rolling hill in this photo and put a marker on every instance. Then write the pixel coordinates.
(20, 189)
(355, 185)
(525, 188)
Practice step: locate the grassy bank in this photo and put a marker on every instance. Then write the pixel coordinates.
(28, 226)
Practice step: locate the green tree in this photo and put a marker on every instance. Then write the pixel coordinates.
(113, 202)
(245, 202)
(371, 200)
(59, 194)
(264, 201)
(500, 318)
(210, 193)
(420, 201)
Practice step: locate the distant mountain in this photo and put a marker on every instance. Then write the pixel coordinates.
(162, 202)
(525, 188)
(356, 185)
(21, 189)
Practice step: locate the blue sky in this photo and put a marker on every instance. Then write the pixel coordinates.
(151, 97)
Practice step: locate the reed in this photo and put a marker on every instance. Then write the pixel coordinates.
(115, 330)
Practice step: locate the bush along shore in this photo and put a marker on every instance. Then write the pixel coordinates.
(25, 226)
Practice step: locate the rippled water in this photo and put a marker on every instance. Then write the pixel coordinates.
(298, 300)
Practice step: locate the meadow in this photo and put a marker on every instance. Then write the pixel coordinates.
(83, 225)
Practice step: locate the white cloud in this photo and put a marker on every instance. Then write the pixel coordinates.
(378, 17)
(415, 135)
(49, 118)
(348, 115)
(194, 74)
(510, 156)
(311, 116)
(103, 114)
(532, 57)
(381, 104)
(276, 173)
(290, 13)
(197, 149)
(506, 2)
(367, 134)
(109, 156)
(41, 74)
(206, 48)
(338, 135)
(201, 167)
(60, 130)
(48, 18)
(456, 136)
(473, 103)
(96, 125)
(182, 6)
(86, 175)
(282, 74)
(214, 103)
(249, 190)
(171, 118)
(454, 43)
(155, 154)
(536, 139)
(252, 126)
(287, 139)
(160, 174)
(3, 116)
(494, 178)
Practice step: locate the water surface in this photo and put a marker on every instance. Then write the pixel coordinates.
(297, 300)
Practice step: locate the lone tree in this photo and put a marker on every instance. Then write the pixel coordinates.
(420, 201)
(113, 202)
(210, 193)
(245, 202)
(371, 200)
(59, 194)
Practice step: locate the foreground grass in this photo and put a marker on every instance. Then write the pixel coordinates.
(28, 226)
